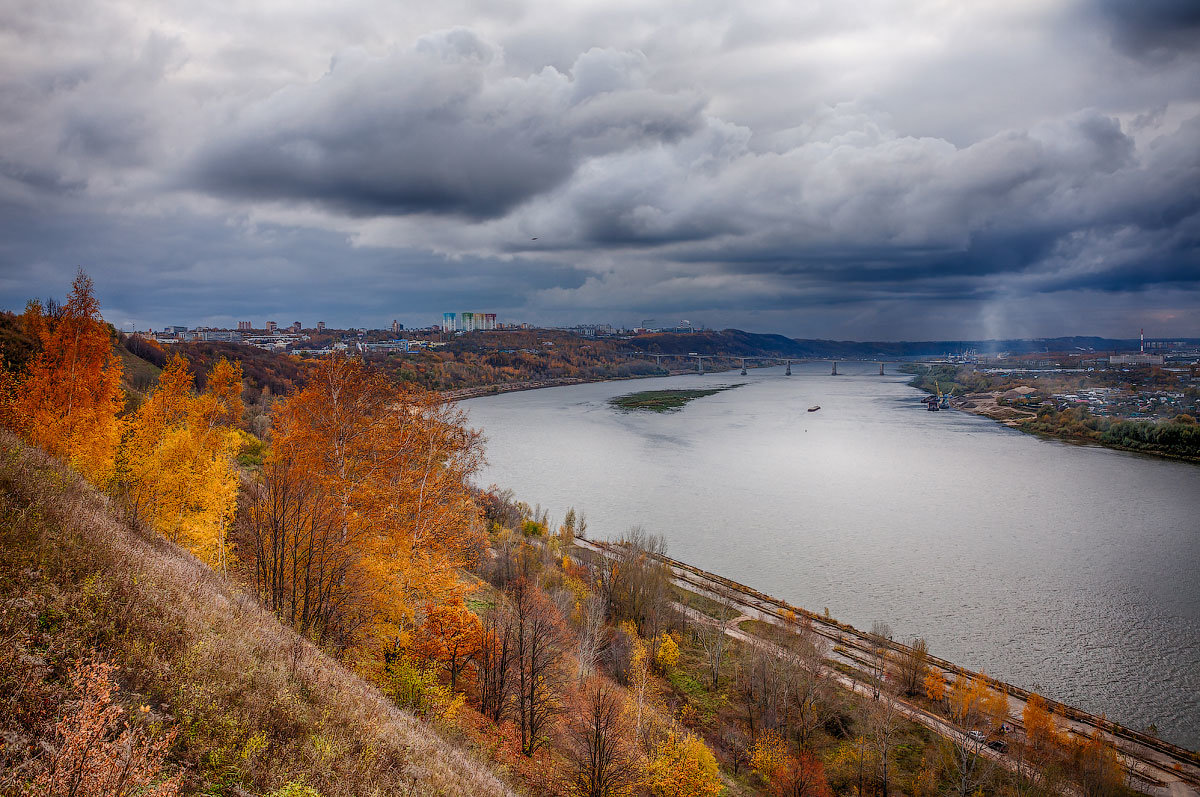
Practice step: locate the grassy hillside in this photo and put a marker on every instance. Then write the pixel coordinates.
(252, 706)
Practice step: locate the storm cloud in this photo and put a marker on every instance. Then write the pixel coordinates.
(438, 128)
(819, 170)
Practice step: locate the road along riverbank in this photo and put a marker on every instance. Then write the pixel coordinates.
(1157, 767)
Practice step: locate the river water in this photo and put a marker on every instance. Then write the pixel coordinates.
(1072, 571)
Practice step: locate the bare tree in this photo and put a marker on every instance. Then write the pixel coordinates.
(591, 635)
(601, 750)
(911, 667)
(713, 636)
(304, 565)
(880, 642)
(883, 718)
(538, 646)
(494, 664)
(805, 654)
(636, 583)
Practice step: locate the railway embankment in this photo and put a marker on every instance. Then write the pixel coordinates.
(1161, 766)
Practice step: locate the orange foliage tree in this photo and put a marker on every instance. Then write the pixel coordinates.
(387, 468)
(788, 775)
(68, 400)
(179, 458)
(450, 637)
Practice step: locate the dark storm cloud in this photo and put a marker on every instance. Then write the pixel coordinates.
(179, 271)
(437, 129)
(1153, 29)
(846, 164)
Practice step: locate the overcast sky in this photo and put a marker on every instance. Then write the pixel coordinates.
(865, 170)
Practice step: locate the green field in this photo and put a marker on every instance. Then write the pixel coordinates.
(663, 400)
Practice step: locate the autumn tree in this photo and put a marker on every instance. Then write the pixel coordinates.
(682, 766)
(449, 637)
(602, 750)
(179, 458)
(68, 400)
(786, 774)
(973, 704)
(640, 658)
(1096, 767)
(391, 465)
(1040, 730)
(935, 686)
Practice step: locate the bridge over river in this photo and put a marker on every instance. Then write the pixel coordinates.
(762, 360)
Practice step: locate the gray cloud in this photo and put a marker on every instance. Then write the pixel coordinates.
(1153, 29)
(824, 170)
(437, 129)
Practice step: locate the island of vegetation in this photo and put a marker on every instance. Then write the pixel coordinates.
(664, 400)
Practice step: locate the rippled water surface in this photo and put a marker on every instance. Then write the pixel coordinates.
(1073, 571)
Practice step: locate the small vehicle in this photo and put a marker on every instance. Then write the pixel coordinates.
(977, 736)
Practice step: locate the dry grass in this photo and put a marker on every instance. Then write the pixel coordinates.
(256, 706)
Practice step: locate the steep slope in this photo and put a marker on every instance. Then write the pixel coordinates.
(255, 707)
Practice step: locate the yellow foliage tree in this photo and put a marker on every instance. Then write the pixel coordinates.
(935, 686)
(392, 467)
(974, 700)
(179, 459)
(1040, 729)
(69, 399)
(667, 655)
(682, 766)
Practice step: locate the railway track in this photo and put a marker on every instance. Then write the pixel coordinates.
(1158, 767)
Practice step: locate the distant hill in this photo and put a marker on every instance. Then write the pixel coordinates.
(737, 342)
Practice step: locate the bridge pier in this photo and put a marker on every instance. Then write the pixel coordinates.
(788, 372)
(743, 366)
(835, 373)
(881, 369)
(700, 365)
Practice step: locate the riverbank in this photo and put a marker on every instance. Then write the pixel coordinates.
(1160, 766)
(1052, 410)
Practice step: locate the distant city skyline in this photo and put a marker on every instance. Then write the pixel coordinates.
(824, 170)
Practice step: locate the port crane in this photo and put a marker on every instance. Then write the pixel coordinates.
(941, 401)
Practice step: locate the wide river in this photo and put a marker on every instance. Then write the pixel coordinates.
(1072, 571)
